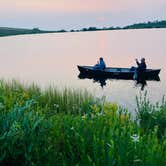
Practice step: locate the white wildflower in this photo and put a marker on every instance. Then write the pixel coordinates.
(1, 106)
(135, 138)
(84, 116)
(100, 114)
(56, 105)
(72, 128)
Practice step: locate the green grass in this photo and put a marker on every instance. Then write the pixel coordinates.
(72, 128)
(151, 115)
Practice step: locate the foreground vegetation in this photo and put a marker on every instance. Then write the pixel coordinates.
(71, 127)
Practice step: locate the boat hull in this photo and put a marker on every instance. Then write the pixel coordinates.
(117, 73)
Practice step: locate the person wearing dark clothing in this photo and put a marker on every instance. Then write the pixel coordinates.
(138, 71)
(100, 65)
(141, 65)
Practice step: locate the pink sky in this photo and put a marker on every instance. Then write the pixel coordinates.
(78, 5)
(114, 9)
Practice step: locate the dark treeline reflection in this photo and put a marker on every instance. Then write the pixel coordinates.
(139, 83)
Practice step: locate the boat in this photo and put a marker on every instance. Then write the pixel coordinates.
(118, 73)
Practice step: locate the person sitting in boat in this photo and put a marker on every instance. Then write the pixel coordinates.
(101, 64)
(141, 65)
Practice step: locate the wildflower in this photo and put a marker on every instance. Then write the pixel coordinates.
(1, 106)
(100, 113)
(135, 138)
(72, 128)
(137, 160)
(56, 105)
(84, 116)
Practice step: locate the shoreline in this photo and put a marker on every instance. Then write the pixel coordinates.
(49, 32)
(7, 31)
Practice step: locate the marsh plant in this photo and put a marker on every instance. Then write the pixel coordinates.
(69, 127)
(151, 116)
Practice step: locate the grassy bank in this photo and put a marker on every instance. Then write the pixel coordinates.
(5, 31)
(71, 127)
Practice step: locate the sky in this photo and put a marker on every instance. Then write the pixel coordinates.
(77, 14)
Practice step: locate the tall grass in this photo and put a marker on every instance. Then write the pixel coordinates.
(67, 127)
(49, 101)
(151, 116)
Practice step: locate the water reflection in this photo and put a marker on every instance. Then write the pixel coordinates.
(140, 82)
(51, 59)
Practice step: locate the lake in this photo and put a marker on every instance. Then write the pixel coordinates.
(52, 59)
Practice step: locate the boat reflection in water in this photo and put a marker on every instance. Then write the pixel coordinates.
(101, 76)
(139, 82)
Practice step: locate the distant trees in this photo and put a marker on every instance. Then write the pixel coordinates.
(4, 31)
(154, 24)
(36, 30)
(62, 30)
(90, 29)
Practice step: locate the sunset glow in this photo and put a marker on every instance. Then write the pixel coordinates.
(93, 12)
(78, 5)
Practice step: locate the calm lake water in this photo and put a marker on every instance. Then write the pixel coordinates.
(52, 59)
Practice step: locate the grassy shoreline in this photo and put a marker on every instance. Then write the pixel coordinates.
(5, 31)
(54, 32)
(72, 127)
